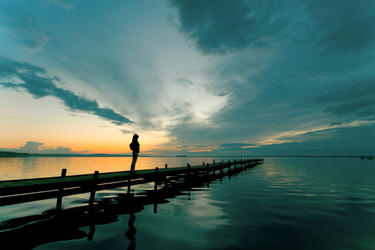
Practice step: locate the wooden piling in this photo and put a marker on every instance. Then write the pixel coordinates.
(155, 190)
(166, 177)
(93, 188)
(208, 174)
(156, 179)
(61, 190)
(188, 172)
(129, 183)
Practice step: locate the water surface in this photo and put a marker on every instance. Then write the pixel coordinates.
(286, 203)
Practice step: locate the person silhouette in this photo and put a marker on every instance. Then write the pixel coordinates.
(134, 146)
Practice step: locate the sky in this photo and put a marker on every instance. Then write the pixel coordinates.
(242, 77)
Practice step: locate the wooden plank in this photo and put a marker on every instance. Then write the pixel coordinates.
(49, 183)
(79, 184)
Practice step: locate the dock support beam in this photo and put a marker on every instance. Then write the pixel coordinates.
(93, 188)
(61, 190)
(156, 179)
(188, 173)
(129, 182)
(166, 178)
(155, 190)
(208, 174)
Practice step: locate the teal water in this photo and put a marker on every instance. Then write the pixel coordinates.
(285, 203)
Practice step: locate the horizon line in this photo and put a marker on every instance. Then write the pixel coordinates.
(15, 154)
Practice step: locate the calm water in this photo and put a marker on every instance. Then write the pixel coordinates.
(286, 203)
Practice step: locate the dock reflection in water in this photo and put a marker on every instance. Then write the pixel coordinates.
(51, 226)
(285, 203)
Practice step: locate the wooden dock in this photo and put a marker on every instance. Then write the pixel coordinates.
(27, 190)
(61, 224)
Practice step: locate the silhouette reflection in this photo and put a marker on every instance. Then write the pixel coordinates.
(130, 234)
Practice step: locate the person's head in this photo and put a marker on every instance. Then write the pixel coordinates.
(135, 137)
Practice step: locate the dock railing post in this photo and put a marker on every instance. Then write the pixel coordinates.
(208, 174)
(221, 170)
(129, 182)
(188, 172)
(229, 171)
(93, 188)
(156, 180)
(61, 190)
(166, 177)
(155, 190)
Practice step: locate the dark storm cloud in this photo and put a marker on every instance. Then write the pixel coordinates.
(356, 100)
(282, 55)
(35, 80)
(334, 141)
(338, 141)
(222, 26)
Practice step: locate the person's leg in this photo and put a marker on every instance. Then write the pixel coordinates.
(133, 164)
(135, 156)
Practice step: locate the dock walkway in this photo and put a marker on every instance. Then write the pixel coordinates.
(27, 190)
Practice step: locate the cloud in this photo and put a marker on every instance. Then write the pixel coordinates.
(33, 147)
(355, 100)
(61, 3)
(275, 58)
(35, 80)
(257, 71)
(236, 146)
(225, 26)
(24, 28)
(343, 141)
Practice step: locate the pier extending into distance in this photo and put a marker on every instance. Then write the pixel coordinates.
(62, 224)
(27, 190)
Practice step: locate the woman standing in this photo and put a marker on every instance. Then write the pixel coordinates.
(134, 146)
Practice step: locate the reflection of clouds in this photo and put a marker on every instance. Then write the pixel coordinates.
(10, 168)
(205, 213)
(286, 178)
(282, 173)
(301, 179)
(271, 173)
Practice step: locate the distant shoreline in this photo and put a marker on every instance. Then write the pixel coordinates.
(9, 154)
